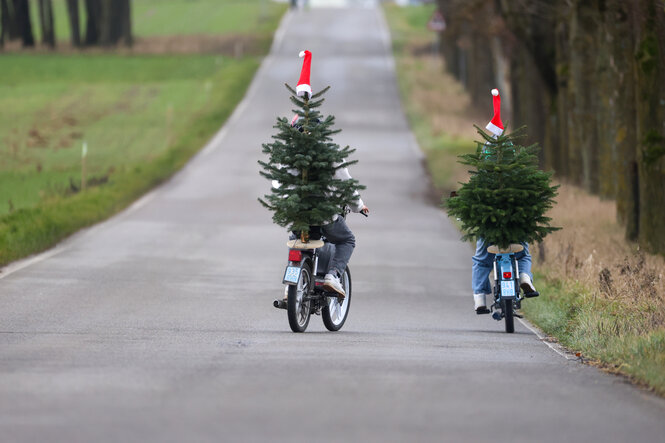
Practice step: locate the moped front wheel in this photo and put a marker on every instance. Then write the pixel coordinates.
(334, 312)
(508, 314)
(298, 300)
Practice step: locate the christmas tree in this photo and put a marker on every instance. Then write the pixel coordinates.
(302, 161)
(507, 195)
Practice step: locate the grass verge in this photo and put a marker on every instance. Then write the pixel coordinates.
(607, 334)
(141, 118)
(36, 227)
(600, 295)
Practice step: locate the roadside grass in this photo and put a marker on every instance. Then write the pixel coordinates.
(141, 116)
(600, 295)
(435, 104)
(611, 292)
(617, 338)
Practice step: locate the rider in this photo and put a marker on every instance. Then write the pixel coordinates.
(338, 233)
(483, 260)
(336, 230)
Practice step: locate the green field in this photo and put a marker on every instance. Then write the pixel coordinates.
(181, 17)
(140, 116)
(124, 108)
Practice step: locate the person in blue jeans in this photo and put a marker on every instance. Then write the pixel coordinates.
(483, 260)
(483, 263)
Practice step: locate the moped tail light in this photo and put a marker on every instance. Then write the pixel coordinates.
(295, 255)
(507, 275)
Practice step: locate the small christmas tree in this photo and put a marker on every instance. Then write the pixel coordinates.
(302, 162)
(507, 196)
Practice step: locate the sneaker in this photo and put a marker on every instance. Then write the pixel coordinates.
(480, 304)
(527, 287)
(286, 293)
(331, 283)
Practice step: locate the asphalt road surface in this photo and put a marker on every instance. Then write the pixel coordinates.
(158, 324)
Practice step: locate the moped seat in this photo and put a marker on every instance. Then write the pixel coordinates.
(511, 249)
(298, 244)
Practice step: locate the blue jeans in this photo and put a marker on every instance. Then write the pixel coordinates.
(339, 234)
(483, 263)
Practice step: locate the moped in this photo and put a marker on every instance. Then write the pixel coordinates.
(507, 297)
(304, 275)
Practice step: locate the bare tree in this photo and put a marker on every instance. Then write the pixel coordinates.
(109, 22)
(125, 22)
(93, 12)
(74, 21)
(4, 18)
(46, 21)
(23, 22)
(9, 27)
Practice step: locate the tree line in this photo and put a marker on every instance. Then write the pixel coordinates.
(102, 23)
(588, 79)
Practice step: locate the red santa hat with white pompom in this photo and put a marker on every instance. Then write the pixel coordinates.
(303, 86)
(495, 126)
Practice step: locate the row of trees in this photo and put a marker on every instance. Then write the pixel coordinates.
(588, 79)
(107, 22)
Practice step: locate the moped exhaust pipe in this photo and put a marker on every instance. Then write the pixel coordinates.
(279, 304)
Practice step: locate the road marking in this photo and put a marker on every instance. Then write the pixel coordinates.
(556, 348)
(18, 265)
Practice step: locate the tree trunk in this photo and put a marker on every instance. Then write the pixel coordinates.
(605, 109)
(74, 22)
(4, 18)
(24, 24)
(583, 95)
(529, 97)
(125, 33)
(480, 73)
(10, 29)
(622, 127)
(93, 14)
(561, 153)
(107, 22)
(46, 21)
(533, 75)
(650, 39)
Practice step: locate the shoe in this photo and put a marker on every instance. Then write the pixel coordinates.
(286, 294)
(527, 287)
(480, 304)
(331, 284)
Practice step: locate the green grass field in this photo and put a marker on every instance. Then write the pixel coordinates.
(140, 116)
(181, 17)
(124, 108)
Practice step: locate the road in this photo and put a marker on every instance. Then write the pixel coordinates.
(157, 325)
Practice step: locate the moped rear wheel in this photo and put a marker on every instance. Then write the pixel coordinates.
(298, 301)
(509, 315)
(334, 312)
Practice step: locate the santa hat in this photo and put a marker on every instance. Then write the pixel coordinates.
(495, 126)
(303, 84)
